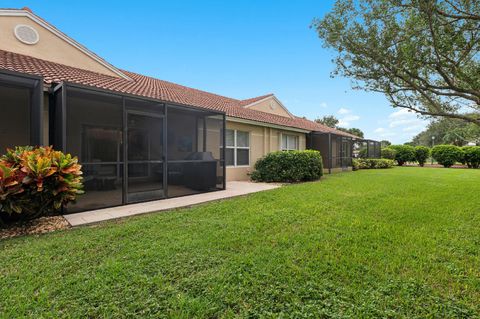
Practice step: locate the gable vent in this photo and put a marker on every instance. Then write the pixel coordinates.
(26, 34)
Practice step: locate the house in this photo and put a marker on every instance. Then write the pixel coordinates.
(137, 137)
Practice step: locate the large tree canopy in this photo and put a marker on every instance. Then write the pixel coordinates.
(448, 131)
(422, 54)
(353, 130)
(328, 120)
(332, 121)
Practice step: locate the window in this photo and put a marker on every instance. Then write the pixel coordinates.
(289, 142)
(237, 148)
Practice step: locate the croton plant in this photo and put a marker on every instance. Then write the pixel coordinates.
(37, 181)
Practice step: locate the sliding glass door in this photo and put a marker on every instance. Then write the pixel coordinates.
(145, 157)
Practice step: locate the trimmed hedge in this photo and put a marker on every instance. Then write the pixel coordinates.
(447, 155)
(422, 153)
(288, 166)
(404, 153)
(471, 156)
(388, 153)
(372, 163)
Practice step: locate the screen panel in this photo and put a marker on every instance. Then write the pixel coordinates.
(94, 133)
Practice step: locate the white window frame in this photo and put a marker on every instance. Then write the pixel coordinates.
(297, 142)
(235, 148)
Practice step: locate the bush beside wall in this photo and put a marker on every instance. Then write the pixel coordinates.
(447, 155)
(37, 182)
(372, 163)
(288, 166)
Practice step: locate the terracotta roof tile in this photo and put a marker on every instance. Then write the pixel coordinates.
(142, 85)
(254, 99)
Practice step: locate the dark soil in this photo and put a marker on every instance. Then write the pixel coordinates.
(37, 226)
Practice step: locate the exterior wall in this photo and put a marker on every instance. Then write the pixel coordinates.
(264, 106)
(50, 47)
(263, 140)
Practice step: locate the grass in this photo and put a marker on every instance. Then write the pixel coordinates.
(403, 242)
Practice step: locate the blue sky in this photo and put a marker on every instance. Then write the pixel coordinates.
(239, 49)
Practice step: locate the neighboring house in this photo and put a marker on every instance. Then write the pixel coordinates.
(138, 138)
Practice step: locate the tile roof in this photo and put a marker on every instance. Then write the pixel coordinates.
(142, 85)
(254, 99)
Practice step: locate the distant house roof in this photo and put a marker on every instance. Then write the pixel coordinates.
(145, 86)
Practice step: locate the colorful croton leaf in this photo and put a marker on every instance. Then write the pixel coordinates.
(38, 181)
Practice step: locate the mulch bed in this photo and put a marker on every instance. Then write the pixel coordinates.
(37, 226)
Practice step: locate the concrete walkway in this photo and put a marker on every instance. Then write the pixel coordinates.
(99, 215)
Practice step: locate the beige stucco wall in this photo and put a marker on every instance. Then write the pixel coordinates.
(262, 141)
(264, 106)
(50, 47)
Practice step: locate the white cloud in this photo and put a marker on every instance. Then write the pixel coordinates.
(383, 132)
(323, 105)
(401, 125)
(346, 117)
(401, 113)
(346, 120)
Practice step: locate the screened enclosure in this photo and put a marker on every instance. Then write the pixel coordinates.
(367, 149)
(336, 150)
(20, 109)
(134, 149)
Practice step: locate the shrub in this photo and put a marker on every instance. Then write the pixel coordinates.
(403, 153)
(37, 182)
(447, 155)
(388, 153)
(372, 163)
(422, 153)
(471, 156)
(289, 166)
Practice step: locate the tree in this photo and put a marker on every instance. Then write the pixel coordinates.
(355, 131)
(422, 153)
(403, 153)
(328, 120)
(422, 54)
(385, 143)
(448, 131)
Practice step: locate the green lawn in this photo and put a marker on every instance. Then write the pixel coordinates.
(403, 242)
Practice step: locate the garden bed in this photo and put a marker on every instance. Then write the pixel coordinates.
(37, 226)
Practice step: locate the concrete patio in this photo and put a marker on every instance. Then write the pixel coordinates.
(233, 189)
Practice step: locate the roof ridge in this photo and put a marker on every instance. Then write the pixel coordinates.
(259, 97)
(180, 85)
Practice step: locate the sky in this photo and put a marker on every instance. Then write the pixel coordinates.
(240, 49)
